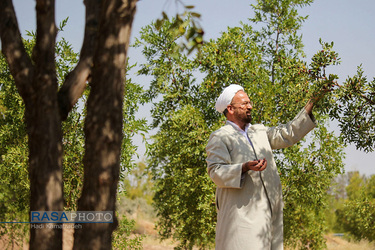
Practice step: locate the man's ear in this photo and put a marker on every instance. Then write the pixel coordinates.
(230, 109)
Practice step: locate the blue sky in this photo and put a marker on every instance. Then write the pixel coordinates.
(349, 24)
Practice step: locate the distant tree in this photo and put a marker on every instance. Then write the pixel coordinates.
(352, 206)
(358, 217)
(356, 214)
(370, 187)
(138, 183)
(355, 186)
(338, 188)
(336, 200)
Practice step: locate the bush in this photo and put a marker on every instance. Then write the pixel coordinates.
(358, 218)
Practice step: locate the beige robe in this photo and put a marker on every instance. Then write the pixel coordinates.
(249, 205)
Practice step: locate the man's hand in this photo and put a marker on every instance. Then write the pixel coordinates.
(257, 165)
(316, 97)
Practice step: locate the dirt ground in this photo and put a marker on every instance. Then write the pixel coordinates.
(152, 242)
(338, 243)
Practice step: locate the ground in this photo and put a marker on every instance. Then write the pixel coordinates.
(152, 242)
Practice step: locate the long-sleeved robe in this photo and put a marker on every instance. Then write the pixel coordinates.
(249, 205)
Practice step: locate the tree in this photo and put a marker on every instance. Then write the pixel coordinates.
(13, 146)
(355, 187)
(352, 206)
(14, 149)
(279, 83)
(181, 185)
(138, 183)
(337, 198)
(357, 213)
(352, 103)
(102, 65)
(14, 187)
(358, 218)
(184, 196)
(370, 187)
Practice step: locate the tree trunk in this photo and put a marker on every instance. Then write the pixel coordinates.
(37, 84)
(45, 165)
(103, 125)
(44, 131)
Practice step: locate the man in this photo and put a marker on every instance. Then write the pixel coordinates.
(241, 164)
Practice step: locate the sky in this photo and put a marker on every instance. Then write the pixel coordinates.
(349, 24)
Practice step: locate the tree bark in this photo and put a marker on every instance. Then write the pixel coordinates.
(103, 124)
(20, 66)
(37, 85)
(44, 129)
(44, 109)
(75, 81)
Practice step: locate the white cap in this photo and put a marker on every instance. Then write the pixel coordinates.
(226, 97)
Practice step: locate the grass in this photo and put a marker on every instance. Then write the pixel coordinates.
(338, 243)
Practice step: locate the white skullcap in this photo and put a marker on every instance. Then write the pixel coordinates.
(226, 97)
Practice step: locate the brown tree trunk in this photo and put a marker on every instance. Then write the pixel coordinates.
(37, 84)
(44, 131)
(103, 125)
(75, 81)
(45, 165)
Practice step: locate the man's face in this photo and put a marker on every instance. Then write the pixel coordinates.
(242, 107)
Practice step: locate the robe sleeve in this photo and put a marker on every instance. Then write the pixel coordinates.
(288, 134)
(219, 167)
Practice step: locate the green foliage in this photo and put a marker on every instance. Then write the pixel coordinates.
(73, 135)
(354, 108)
(232, 58)
(121, 237)
(14, 185)
(138, 183)
(355, 215)
(73, 143)
(184, 25)
(184, 196)
(306, 175)
(351, 103)
(177, 153)
(281, 22)
(358, 218)
(134, 96)
(354, 190)
(370, 187)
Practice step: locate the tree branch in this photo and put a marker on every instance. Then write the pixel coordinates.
(44, 50)
(369, 101)
(13, 49)
(104, 122)
(276, 50)
(75, 81)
